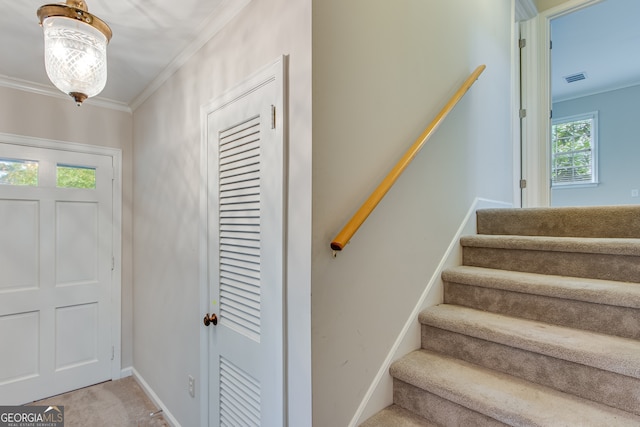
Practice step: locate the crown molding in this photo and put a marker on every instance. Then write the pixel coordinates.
(40, 89)
(227, 10)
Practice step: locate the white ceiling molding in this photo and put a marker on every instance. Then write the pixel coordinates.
(211, 26)
(46, 90)
(525, 10)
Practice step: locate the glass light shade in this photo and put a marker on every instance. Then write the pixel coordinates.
(75, 56)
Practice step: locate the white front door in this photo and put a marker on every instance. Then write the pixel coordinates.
(55, 271)
(245, 221)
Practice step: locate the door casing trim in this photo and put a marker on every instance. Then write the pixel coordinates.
(536, 90)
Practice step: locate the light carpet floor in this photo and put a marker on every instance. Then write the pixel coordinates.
(120, 403)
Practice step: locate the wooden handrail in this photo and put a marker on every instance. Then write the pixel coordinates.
(369, 205)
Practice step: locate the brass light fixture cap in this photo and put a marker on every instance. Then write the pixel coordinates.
(78, 97)
(74, 9)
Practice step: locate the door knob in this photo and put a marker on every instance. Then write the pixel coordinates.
(210, 319)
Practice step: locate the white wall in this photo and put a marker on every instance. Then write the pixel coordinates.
(39, 116)
(618, 148)
(167, 129)
(381, 71)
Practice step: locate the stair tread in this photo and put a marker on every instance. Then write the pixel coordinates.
(575, 221)
(593, 245)
(610, 353)
(622, 294)
(395, 416)
(503, 397)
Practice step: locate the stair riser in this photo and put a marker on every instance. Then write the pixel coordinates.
(438, 410)
(606, 319)
(399, 417)
(596, 266)
(611, 389)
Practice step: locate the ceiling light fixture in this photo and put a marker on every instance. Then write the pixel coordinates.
(75, 48)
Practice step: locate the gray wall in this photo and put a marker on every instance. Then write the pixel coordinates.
(167, 136)
(381, 71)
(618, 148)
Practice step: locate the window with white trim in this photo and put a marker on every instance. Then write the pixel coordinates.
(574, 143)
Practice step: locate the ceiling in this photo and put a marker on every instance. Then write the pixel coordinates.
(603, 42)
(151, 39)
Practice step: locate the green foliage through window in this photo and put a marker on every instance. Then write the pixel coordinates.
(18, 172)
(25, 172)
(75, 177)
(573, 151)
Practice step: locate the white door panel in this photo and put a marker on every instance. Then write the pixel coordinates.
(19, 266)
(55, 277)
(245, 221)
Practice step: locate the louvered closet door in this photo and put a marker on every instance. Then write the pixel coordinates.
(245, 222)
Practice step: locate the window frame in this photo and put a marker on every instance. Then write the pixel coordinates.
(593, 116)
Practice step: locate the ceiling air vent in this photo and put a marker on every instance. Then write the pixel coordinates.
(575, 77)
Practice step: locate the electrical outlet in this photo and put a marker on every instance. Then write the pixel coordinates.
(634, 192)
(192, 386)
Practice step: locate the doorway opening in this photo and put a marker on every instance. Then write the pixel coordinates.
(577, 65)
(595, 85)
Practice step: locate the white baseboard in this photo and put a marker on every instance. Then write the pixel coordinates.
(380, 392)
(126, 372)
(169, 418)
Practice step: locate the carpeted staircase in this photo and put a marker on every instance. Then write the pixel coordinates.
(540, 326)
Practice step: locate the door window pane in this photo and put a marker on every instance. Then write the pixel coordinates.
(18, 172)
(75, 177)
